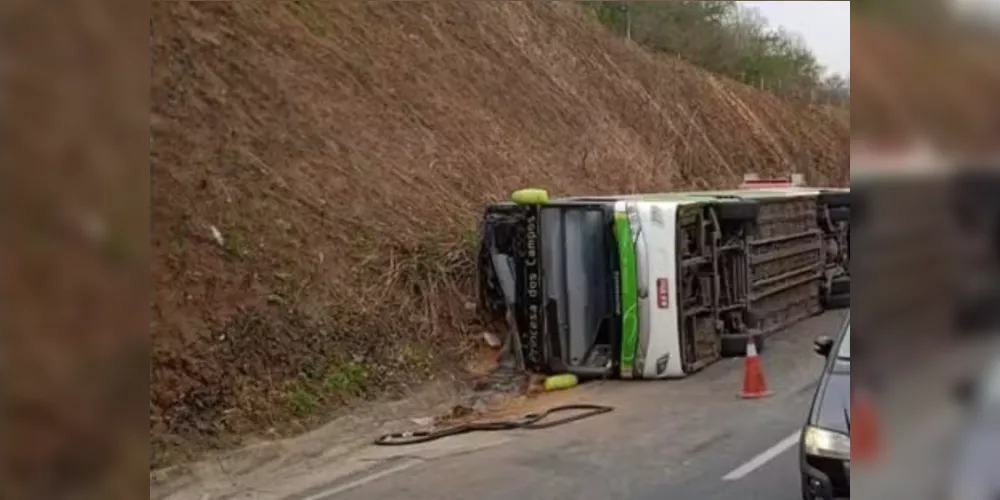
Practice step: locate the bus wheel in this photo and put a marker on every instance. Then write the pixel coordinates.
(840, 214)
(735, 346)
(838, 302)
(835, 198)
(838, 294)
(840, 286)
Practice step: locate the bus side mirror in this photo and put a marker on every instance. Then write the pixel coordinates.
(823, 346)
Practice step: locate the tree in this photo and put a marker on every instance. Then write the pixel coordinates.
(722, 37)
(836, 89)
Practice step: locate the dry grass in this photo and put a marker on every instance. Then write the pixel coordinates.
(345, 150)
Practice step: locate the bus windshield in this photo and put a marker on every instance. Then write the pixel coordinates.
(579, 300)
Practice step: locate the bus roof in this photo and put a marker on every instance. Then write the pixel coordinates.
(702, 196)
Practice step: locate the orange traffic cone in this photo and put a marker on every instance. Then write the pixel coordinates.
(754, 385)
(864, 428)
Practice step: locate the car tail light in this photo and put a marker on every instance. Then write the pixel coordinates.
(663, 293)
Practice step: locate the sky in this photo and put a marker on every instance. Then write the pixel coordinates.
(824, 26)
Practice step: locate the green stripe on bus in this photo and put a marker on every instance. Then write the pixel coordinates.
(629, 291)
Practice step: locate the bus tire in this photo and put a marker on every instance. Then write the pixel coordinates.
(840, 214)
(737, 211)
(735, 346)
(840, 286)
(834, 198)
(838, 301)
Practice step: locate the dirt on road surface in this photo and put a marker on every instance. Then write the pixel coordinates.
(657, 428)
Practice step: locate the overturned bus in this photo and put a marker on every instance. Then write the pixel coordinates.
(659, 285)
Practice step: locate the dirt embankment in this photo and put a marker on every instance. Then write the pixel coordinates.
(319, 169)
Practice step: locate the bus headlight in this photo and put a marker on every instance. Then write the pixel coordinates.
(823, 443)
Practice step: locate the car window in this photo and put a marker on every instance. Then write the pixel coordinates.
(844, 351)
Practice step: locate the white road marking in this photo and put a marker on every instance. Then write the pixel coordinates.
(326, 494)
(765, 457)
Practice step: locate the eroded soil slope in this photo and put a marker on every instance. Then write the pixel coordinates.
(319, 169)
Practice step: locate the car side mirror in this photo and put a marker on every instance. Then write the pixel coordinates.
(823, 346)
(964, 390)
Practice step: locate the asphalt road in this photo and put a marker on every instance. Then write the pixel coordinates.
(688, 439)
(761, 454)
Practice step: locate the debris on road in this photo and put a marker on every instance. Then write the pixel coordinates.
(492, 340)
(530, 421)
(561, 382)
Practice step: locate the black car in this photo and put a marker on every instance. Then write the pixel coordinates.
(825, 446)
